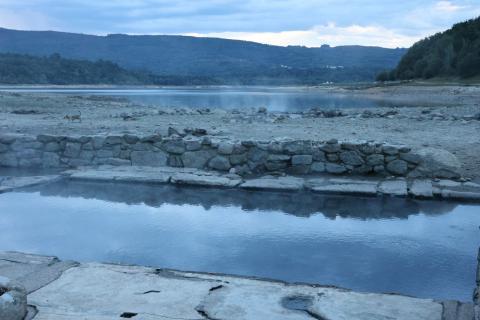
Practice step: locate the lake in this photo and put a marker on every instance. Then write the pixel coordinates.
(420, 248)
(280, 99)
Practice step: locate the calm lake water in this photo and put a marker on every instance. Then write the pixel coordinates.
(423, 249)
(273, 98)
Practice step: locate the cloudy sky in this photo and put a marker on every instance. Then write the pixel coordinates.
(387, 23)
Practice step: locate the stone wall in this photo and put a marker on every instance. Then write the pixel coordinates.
(241, 157)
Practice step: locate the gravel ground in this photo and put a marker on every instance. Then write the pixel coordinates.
(453, 123)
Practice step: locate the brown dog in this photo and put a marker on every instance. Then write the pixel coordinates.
(73, 117)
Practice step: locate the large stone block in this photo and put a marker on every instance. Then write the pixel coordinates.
(8, 159)
(397, 167)
(298, 147)
(225, 148)
(335, 168)
(72, 149)
(301, 160)
(351, 158)
(219, 163)
(148, 158)
(375, 159)
(174, 146)
(50, 160)
(257, 155)
(197, 159)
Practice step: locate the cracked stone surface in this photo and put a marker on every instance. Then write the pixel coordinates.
(163, 294)
(32, 271)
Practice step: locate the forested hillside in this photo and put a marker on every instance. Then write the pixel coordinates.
(227, 61)
(26, 69)
(454, 53)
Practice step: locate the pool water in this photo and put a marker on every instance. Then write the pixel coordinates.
(419, 248)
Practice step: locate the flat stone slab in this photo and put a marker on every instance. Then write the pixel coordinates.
(421, 188)
(13, 183)
(32, 271)
(204, 179)
(343, 186)
(275, 183)
(147, 293)
(400, 187)
(394, 187)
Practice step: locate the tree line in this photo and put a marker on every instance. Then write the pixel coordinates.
(454, 53)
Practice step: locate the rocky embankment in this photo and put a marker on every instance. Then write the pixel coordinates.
(195, 149)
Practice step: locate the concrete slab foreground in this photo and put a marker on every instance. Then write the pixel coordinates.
(102, 291)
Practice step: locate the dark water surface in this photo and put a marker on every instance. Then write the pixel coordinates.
(273, 98)
(418, 248)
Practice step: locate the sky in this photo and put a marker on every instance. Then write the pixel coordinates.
(386, 23)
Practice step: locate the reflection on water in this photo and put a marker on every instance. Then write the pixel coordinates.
(273, 98)
(420, 248)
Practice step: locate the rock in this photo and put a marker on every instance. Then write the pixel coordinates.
(196, 159)
(319, 155)
(330, 147)
(317, 167)
(421, 188)
(8, 159)
(50, 160)
(13, 300)
(219, 163)
(98, 142)
(298, 147)
(113, 140)
(390, 150)
(148, 158)
(438, 163)
(204, 179)
(333, 157)
(225, 148)
(271, 183)
(176, 146)
(173, 132)
(52, 146)
(351, 158)
(236, 159)
(193, 144)
(375, 159)
(397, 167)
(411, 157)
(175, 161)
(301, 160)
(131, 139)
(257, 155)
(396, 187)
(3, 147)
(276, 165)
(335, 168)
(72, 149)
(278, 157)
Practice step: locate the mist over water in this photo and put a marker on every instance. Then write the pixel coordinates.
(273, 98)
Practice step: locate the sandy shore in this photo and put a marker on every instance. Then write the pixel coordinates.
(453, 123)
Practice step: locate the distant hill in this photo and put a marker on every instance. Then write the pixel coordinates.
(27, 69)
(228, 61)
(454, 53)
